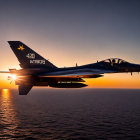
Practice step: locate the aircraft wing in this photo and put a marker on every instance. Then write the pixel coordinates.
(77, 73)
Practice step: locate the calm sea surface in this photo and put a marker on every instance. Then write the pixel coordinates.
(60, 114)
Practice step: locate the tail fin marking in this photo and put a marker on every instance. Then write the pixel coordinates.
(28, 58)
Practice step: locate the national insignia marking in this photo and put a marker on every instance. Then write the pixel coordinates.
(21, 48)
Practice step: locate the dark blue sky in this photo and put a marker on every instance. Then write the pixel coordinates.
(70, 31)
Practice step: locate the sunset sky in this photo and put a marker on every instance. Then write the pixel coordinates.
(73, 31)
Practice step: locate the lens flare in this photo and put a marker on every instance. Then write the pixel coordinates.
(14, 77)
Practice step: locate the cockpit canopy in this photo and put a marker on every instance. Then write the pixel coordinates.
(114, 61)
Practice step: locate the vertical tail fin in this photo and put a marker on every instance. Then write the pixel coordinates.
(28, 58)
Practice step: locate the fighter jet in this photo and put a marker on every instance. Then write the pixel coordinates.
(37, 71)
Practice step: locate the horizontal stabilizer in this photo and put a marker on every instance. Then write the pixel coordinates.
(24, 89)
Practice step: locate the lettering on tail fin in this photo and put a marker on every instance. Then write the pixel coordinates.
(37, 62)
(30, 55)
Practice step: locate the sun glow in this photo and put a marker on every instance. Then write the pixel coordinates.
(5, 90)
(5, 93)
(13, 77)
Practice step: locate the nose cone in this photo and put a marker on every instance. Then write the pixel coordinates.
(133, 67)
(128, 67)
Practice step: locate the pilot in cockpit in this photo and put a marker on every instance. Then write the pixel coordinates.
(113, 61)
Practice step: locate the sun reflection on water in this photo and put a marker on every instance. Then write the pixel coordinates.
(8, 119)
(5, 94)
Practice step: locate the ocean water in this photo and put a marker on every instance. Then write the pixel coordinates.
(70, 114)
